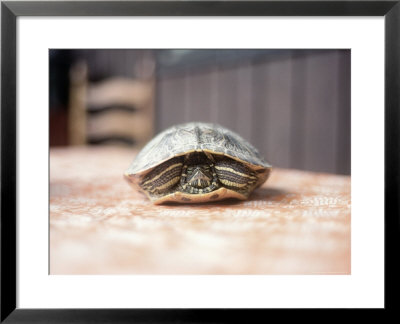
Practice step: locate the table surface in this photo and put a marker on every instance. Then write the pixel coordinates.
(296, 223)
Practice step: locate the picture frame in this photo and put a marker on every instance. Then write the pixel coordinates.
(11, 10)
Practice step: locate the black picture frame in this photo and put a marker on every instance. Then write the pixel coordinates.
(11, 10)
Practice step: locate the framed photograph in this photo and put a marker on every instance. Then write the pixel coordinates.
(197, 161)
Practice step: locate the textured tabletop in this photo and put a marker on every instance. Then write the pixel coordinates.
(296, 223)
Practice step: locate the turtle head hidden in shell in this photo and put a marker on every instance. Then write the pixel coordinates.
(197, 162)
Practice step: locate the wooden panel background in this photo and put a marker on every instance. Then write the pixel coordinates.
(293, 105)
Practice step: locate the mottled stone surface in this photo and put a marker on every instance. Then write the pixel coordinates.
(296, 223)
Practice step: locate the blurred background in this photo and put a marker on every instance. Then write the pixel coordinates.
(293, 105)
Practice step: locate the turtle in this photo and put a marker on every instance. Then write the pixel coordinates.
(197, 162)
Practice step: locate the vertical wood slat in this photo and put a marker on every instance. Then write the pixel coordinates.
(214, 94)
(344, 113)
(244, 112)
(227, 103)
(170, 102)
(298, 94)
(199, 96)
(259, 111)
(278, 104)
(320, 129)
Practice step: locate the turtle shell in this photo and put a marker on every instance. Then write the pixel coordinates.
(196, 137)
(192, 137)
